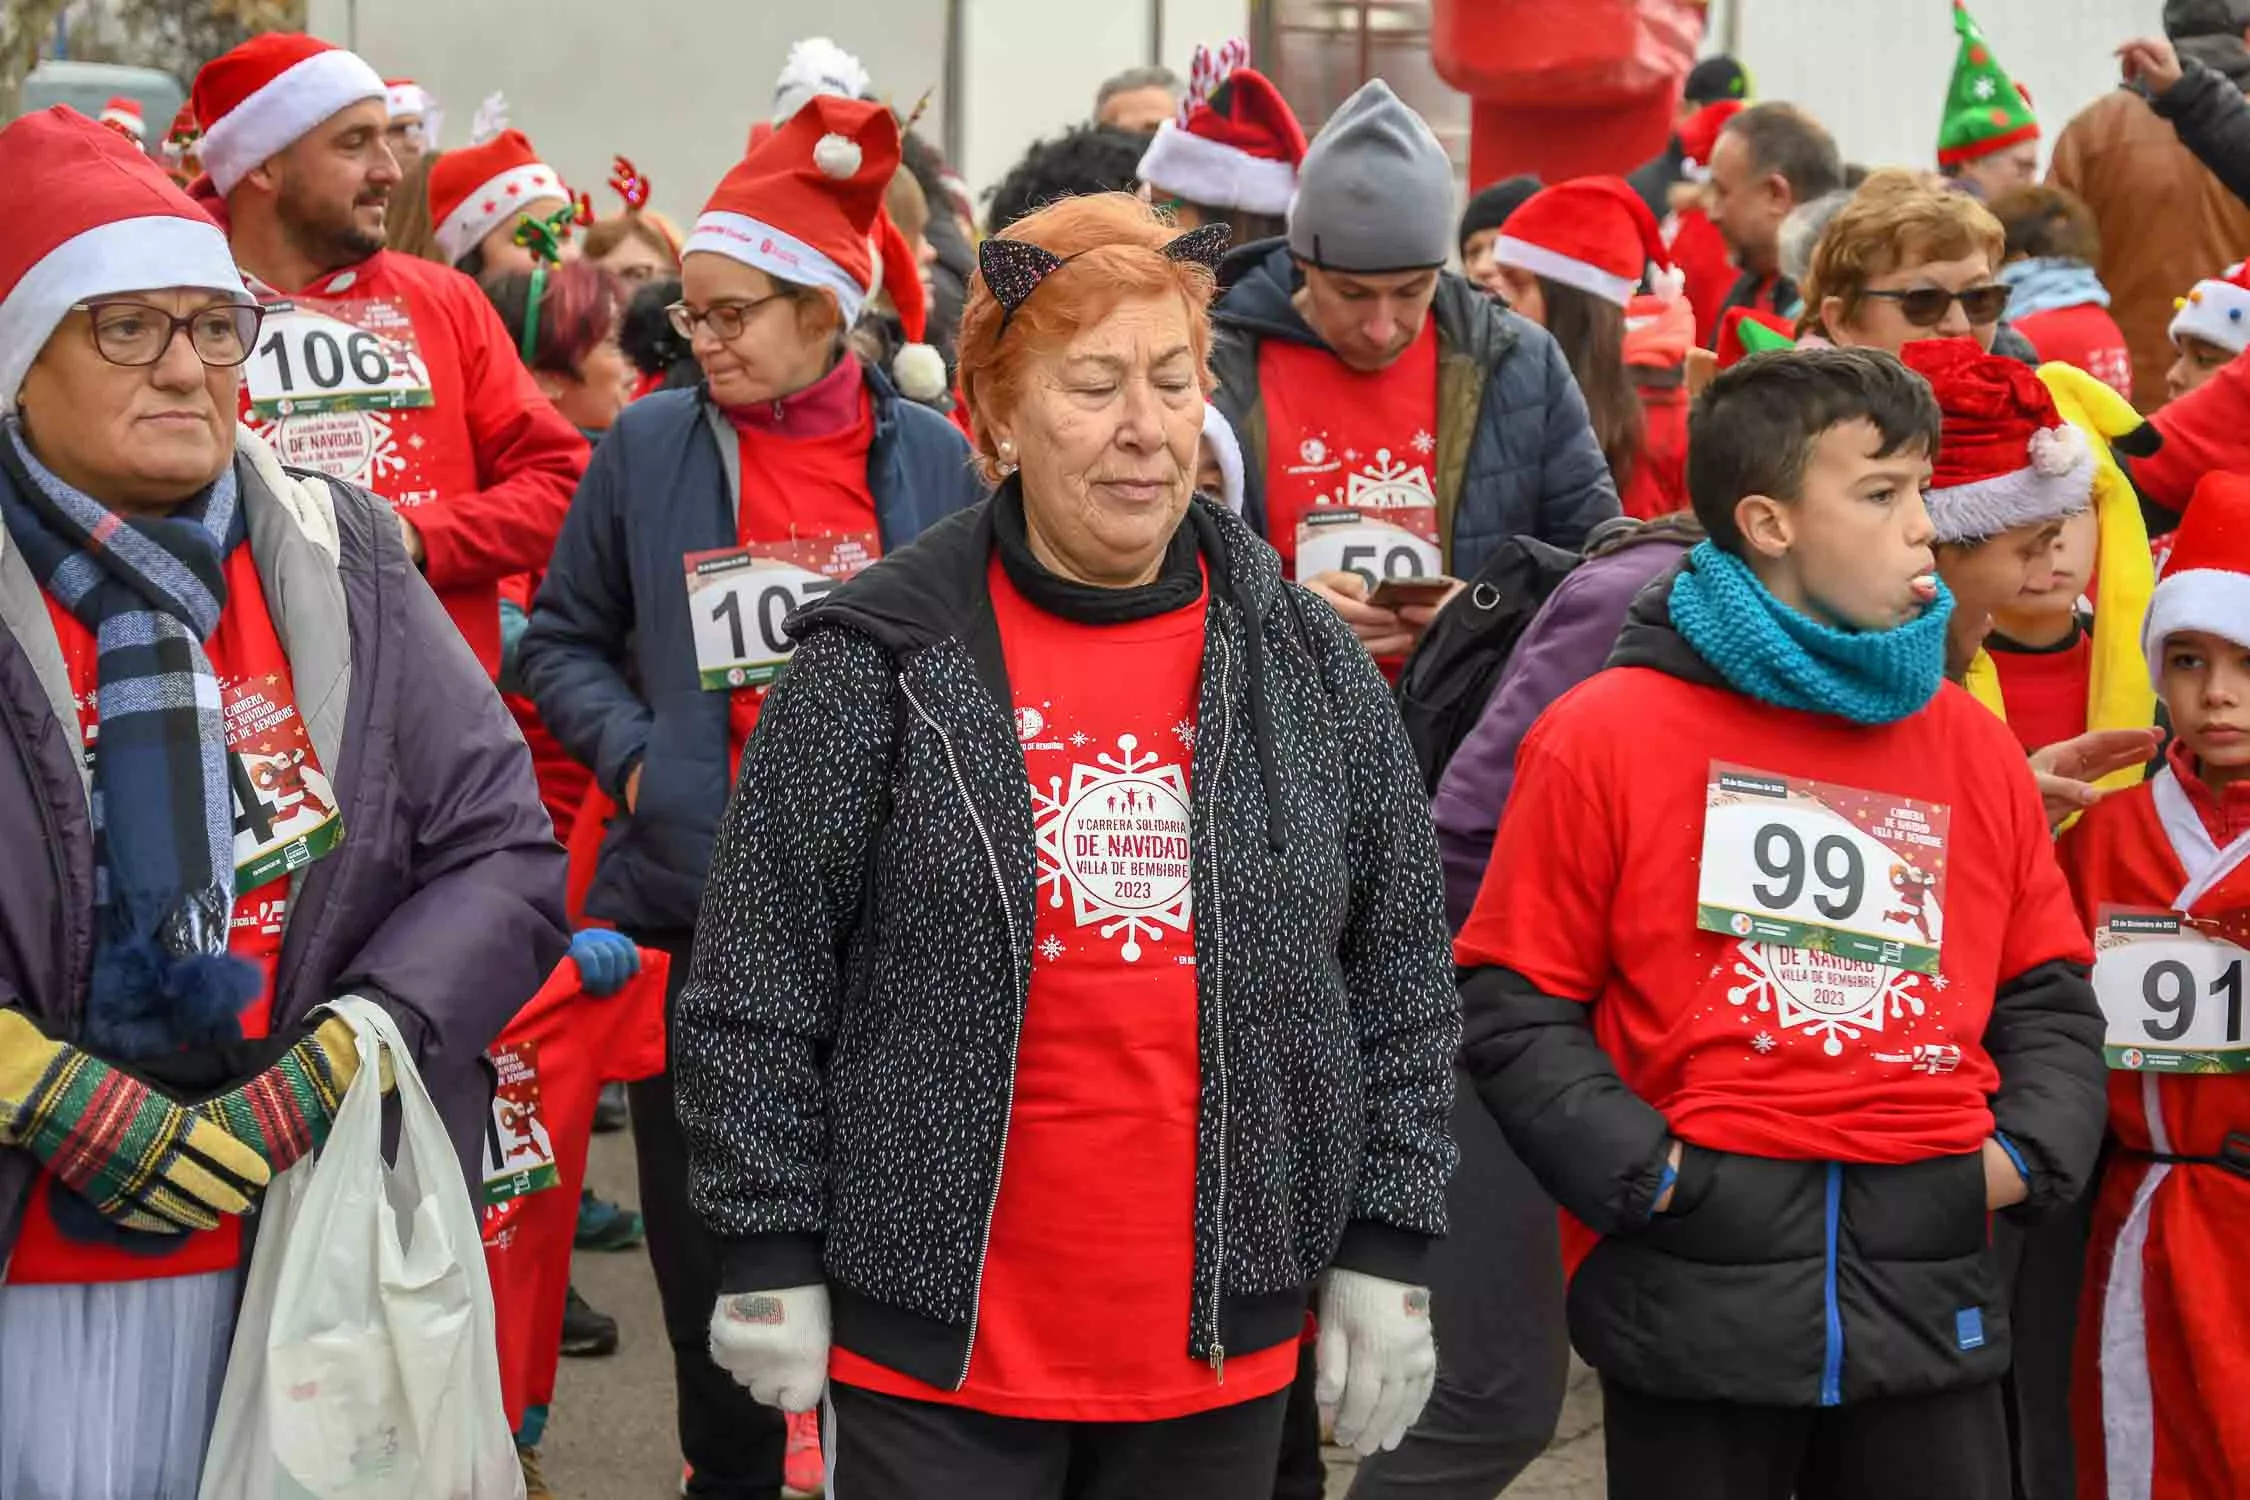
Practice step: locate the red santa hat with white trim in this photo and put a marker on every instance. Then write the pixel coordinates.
(1592, 233)
(1236, 143)
(2206, 581)
(2216, 311)
(124, 114)
(102, 219)
(801, 207)
(403, 96)
(2006, 457)
(267, 94)
(1699, 136)
(476, 189)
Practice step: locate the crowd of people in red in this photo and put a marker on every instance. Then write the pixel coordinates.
(1176, 827)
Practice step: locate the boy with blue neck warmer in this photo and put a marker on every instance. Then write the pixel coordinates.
(1775, 985)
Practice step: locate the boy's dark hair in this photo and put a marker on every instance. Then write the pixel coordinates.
(1083, 159)
(1752, 430)
(2047, 223)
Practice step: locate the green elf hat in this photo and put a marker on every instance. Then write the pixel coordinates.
(1985, 109)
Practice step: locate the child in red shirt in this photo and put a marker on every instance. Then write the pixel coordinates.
(2161, 873)
(2043, 644)
(1774, 984)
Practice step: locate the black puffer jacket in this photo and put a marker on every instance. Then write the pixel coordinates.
(1773, 1282)
(845, 1049)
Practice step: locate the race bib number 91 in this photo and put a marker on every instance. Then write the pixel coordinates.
(2171, 994)
(1809, 864)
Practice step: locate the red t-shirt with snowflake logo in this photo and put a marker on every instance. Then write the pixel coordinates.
(1747, 1046)
(1082, 1313)
(1336, 436)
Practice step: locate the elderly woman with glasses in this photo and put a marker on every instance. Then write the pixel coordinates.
(1904, 260)
(707, 517)
(249, 768)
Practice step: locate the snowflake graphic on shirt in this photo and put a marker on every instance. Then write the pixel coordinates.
(1114, 846)
(1836, 1000)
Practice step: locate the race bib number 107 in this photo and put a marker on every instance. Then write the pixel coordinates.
(739, 597)
(2171, 994)
(1809, 864)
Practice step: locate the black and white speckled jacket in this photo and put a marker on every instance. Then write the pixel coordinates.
(844, 1052)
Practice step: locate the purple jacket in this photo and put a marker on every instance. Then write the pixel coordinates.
(444, 903)
(1565, 643)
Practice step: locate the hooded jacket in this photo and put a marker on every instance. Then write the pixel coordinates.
(1516, 455)
(609, 656)
(844, 1051)
(443, 903)
(1787, 1282)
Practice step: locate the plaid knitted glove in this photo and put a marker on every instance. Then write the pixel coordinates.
(284, 1113)
(141, 1160)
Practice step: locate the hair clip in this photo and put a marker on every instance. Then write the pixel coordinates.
(629, 184)
(1012, 271)
(1205, 246)
(544, 238)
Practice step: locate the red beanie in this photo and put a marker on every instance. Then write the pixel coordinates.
(475, 190)
(107, 220)
(2006, 457)
(1592, 233)
(265, 95)
(1699, 137)
(2206, 581)
(802, 205)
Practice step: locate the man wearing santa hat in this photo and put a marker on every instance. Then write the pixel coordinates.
(380, 369)
(123, 115)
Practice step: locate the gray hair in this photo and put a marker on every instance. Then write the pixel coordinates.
(1783, 138)
(1802, 230)
(1132, 80)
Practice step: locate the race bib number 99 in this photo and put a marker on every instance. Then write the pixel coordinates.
(1809, 864)
(739, 597)
(2171, 994)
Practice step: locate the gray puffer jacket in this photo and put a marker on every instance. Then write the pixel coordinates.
(845, 1050)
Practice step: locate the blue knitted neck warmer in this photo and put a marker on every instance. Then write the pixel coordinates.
(1770, 652)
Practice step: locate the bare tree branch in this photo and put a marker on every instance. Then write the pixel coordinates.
(26, 26)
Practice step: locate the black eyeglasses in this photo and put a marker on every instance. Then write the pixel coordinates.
(134, 333)
(725, 319)
(1926, 306)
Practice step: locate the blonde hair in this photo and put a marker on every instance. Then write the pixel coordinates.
(644, 224)
(1895, 220)
(407, 225)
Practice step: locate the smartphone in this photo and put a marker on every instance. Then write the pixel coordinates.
(1398, 593)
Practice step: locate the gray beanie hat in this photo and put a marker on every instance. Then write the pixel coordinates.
(1375, 192)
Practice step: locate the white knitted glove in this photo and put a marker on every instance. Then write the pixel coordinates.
(775, 1343)
(1376, 1359)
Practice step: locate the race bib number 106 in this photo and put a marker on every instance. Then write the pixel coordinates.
(331, 356)
(2171, 994)
(1809, 864)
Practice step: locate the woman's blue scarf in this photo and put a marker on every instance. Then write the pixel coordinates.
(1770, 652)
(2047, 282)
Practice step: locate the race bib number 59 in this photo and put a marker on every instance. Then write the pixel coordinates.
(2171, 994)
(1809, 864)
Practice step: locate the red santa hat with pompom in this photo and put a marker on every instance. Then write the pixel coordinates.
(476, 189)
(124, 116)
(2006, 457)
(1592, 233)
(801, 207)
(2206, 581)
(1236, 143)
(263, 97)
(1699, 137)
(2217, 311)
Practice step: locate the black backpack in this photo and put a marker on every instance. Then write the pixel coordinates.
(1445, 683)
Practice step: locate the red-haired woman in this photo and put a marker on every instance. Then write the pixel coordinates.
(1073, 989)
(707, 517)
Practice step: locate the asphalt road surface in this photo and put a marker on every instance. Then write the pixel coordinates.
(610, 1434)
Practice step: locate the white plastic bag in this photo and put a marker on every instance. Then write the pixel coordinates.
(364, 1365)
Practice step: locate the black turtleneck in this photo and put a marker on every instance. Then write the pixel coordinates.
(1178, 582)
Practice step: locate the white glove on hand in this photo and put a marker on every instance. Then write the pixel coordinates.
(775, 1344)
(1376, 1359)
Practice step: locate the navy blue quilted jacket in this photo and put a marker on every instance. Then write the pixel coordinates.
(844, 1051)
(1516, 455)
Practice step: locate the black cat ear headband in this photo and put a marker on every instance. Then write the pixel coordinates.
(1013, 269)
